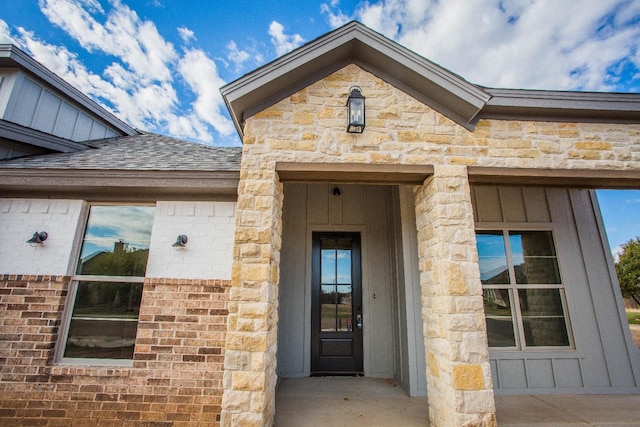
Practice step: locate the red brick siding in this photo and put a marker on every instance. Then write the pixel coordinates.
(176, 378)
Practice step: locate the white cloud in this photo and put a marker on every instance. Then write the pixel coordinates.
(237, 56)
(337, 18)
(242, 57)
(186, 34)
(201, 73)
(137, 43)
(283, 43)
(141, 85)
(5, 34)
(616, 252)
(542, 44)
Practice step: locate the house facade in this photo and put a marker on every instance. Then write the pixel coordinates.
(454, 245)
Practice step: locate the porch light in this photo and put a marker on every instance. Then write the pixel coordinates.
(181, 242)
(37, 238)
(355, 110)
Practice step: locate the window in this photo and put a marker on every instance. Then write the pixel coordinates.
(107, 287)
(523, 294)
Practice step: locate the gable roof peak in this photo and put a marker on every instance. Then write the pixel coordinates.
(444, 91)
(356, 43)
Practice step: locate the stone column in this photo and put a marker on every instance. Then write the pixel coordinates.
(459, 385)
(251, 344)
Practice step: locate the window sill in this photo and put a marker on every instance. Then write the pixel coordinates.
(92, 368)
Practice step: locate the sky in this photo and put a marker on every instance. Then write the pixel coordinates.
(159, 64)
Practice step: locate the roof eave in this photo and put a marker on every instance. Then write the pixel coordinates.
(17, 133)
(121, 185)
(562, 106)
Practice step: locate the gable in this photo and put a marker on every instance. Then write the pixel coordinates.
(442, 90)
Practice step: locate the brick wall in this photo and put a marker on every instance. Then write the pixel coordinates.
(175, 380)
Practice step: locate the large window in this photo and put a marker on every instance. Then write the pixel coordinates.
(107, 287)
(524, 300)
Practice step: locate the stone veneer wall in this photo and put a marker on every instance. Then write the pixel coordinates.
(458, 372)
(309, 126)
(250, 358)
(175, 380)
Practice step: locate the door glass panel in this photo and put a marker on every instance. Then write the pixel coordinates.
(343, 308)
(328, 262)
(543, 317)
(497, 309)
(492, 257)
(534, 257)
(336, 312)
(328, 308)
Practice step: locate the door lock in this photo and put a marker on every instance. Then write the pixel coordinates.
(359, 321)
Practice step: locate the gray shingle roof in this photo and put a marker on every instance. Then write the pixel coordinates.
(139, 152)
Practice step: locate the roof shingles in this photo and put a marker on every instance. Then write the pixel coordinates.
(146, 151)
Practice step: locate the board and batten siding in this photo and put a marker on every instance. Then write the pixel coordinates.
(370, 210)
(33, 105)
(600, 358)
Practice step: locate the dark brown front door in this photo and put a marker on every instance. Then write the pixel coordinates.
(336, 304)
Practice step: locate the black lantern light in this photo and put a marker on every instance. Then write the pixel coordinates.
(355, 111)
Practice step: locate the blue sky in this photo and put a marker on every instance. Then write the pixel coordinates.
(159, 64)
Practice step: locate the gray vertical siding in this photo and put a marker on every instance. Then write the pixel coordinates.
(601, 357)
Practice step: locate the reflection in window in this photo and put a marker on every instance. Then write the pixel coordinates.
(497, 309)
(492, 257)
(336, 311)
(104, 316)
(534, 257)
(116, 241)
(543, 317)
(522, 264)
(104, 320)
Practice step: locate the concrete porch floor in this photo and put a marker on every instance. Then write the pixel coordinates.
(370, 402)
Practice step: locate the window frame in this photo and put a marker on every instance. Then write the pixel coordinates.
(513, 289)
(75, 280)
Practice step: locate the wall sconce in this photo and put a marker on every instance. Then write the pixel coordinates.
(38, 238)
(355, 111)
(181, 242)
(337, 192)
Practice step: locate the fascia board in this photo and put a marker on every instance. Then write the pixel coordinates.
(117, 184)
(12, 56)
(562, 105)
(15, 132)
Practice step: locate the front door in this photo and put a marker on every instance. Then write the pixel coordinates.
(336, 304)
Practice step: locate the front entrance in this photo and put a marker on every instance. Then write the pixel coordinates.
(336, 304)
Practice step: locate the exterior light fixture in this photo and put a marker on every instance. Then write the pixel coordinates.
(355, 111)
(38, 238)
(181, 242)
(337, 192)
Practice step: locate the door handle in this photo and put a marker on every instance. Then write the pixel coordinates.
(359, 321)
